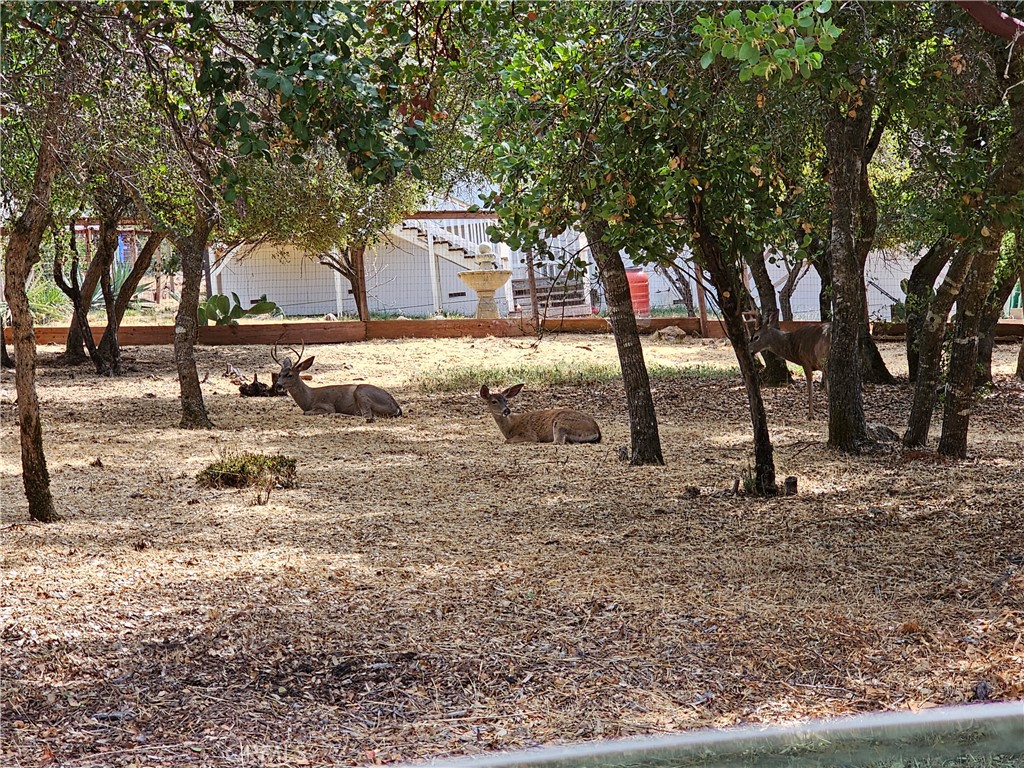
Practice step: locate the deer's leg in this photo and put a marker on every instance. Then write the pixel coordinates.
(810, 392)
(365, 406)
(521, 438)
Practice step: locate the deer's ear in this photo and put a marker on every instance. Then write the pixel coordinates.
(484, 391)
(305, 363)
(513, 390)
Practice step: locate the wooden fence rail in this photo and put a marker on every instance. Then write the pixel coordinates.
(347, 331)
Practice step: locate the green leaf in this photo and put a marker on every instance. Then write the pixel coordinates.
(262, 308)
(706, 59)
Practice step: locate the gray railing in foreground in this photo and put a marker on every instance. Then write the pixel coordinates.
(990, 735)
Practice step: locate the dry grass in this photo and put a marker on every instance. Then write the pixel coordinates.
(428, 591)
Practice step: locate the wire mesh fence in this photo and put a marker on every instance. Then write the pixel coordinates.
(973, 736)
(414, 272)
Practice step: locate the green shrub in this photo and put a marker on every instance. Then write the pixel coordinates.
(243, 470)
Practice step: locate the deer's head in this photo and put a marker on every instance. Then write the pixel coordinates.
(765, 333)
(289, 375)
(497, 402)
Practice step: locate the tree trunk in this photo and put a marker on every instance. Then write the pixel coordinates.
(186, 322)
(964, 356)
(875, 370)
(531, 281)
(109, 346)
(643, 422)
(919, 290)
(106, 251)
(6, 361)
(1006, 280)
(357, 255)
(819, 258)
(1004, 188)
(1020, 353)
(680, 281)
(75, 346)
(929, 348)
(845, 138)
(21, 254)
(787, 291)
(1020, 361)
(729, 288)
(775, 372)
(79, 325)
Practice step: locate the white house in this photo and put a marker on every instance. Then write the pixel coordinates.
(413, 272)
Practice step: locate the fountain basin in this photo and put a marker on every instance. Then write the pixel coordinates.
(485, 282)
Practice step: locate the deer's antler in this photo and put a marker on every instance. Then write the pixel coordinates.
(298, 355)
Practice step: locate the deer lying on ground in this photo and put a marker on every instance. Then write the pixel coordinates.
(555, 425)
(363, 400)
(808, 347)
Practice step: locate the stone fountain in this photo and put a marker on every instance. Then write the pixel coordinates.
(485, 280)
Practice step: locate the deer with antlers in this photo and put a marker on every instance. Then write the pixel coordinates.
(363, 400)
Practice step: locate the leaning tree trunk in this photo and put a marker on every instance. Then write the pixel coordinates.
(987, 328)
(929, 348)
(844, 139)
(963, 358)
(76, 349)
(109, 346)
(729, 290)
(787, 291)
(21, 254)
(643, 422)
(919, 288)
(72, 288)
(1005, 187)
(776, 372)
(186, 323)
(1006, 280)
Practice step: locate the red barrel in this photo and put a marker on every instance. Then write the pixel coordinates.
(639, 291)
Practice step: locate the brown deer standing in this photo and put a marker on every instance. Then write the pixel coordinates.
(363, 400)
(807, 346)
(555, 425)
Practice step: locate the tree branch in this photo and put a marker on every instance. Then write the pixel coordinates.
(993, 20)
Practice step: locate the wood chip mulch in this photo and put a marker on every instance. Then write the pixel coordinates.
(427, 591)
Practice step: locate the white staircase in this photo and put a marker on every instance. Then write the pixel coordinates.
(447, 245)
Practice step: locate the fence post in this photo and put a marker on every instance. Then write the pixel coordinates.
(435, 277)
(702, 304)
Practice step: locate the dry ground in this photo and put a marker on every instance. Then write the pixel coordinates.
(429, 591)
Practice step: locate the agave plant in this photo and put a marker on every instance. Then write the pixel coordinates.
(118, 277)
